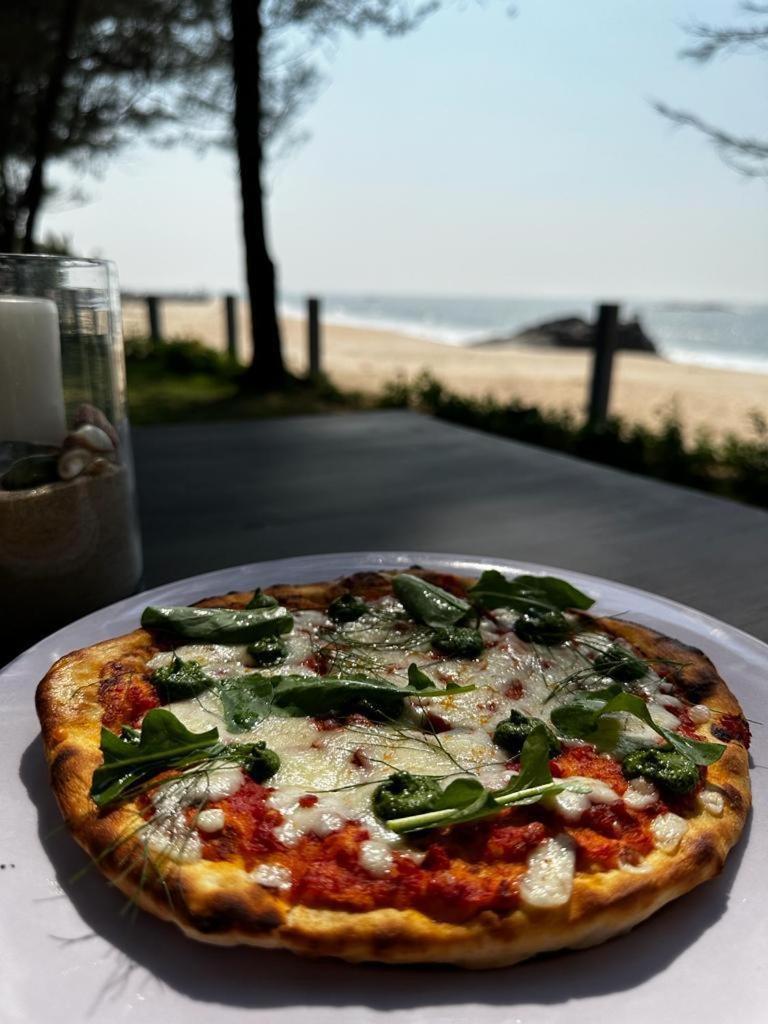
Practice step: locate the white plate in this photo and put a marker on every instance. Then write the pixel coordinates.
(69, 954)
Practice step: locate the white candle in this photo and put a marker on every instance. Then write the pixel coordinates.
(31, 387)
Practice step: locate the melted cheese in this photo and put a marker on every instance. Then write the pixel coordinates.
(341, 766)
(211, 820)
(712, 800)
(167, 833)
(376, 857)
(571, 805)
(668, 831)
(699, 714)
(640, 793)
(271, 876)
(548, 880)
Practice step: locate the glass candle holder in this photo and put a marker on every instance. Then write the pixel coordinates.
(69, 538)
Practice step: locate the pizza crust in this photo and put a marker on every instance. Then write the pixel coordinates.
(217, 902)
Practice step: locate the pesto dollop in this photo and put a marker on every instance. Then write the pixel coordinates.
(512, 733)
(347, 608)
(180, 680)
(619, 664)
(260, 762)
(458, 641)
(403, 794)
(668, 769)
(543, 627)
(269, 651)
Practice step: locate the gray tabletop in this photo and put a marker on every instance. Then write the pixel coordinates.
(218, 495)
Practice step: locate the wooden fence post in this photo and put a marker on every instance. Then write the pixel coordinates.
(605, 345)
(153, 310)
(313, 337)
(230, 304)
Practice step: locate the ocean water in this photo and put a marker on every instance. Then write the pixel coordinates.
(728, 336)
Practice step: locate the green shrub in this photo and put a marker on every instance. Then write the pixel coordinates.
(181, 357)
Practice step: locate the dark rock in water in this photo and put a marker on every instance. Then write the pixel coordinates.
(573, 332)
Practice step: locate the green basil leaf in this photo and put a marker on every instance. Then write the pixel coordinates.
(219, 625)
(427, 603)
(164, 743)
(245, 700)
(308, 695)
(522, 593)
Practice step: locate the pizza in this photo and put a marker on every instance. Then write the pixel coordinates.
(398, 767)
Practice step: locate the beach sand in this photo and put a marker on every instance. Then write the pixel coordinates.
(644, 386)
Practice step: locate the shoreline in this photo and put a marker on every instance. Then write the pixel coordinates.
(365, 359)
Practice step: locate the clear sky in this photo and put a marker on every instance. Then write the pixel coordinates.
(480, 155)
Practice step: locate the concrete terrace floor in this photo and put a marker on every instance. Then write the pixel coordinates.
(215, 495)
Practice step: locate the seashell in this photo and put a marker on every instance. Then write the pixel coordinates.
(98, 466)
(73, 461)
(91, 437)
(90, 414)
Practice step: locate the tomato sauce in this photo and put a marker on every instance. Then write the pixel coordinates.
(586, 761)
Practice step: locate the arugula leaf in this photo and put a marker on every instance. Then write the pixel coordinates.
(220, 625)
(522, 593)
(420, 685)
(417, 679)
(466, 799)
(164, 743)
(427, 603)
(585, 719)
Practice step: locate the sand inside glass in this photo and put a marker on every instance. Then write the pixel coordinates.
(66, 548)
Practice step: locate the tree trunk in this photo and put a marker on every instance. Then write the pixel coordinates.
(35, 190)
(8, 99)
(266, 371)
(7, 214)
